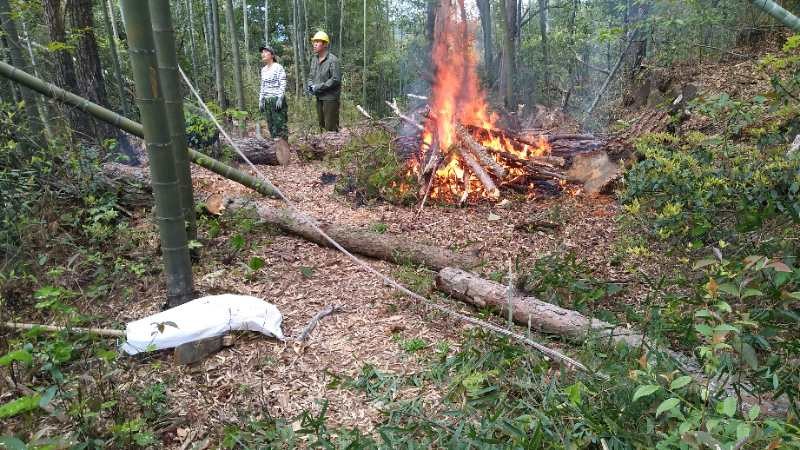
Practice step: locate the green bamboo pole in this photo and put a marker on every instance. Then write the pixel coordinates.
(237, 64)
(8, 25)
(775, 10)
(52, 91)
(167, 58)
(150, 99)
(112, 44)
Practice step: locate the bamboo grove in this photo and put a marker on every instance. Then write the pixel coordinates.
(556, 53)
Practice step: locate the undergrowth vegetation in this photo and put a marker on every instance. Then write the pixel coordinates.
(371, 170)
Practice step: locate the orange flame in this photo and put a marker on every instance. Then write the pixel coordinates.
(456, 98)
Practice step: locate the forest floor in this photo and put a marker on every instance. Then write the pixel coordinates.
(264, 377)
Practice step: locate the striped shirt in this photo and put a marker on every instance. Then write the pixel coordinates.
(273, 81)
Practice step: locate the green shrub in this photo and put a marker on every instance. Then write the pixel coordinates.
(371, 170)
(705, 188)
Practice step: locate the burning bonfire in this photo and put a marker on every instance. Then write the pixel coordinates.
(463, 154)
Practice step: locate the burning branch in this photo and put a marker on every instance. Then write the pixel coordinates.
(480, 152)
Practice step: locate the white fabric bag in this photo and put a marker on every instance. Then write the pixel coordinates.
(202, 318)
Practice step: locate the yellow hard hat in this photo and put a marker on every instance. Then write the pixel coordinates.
(321, 36)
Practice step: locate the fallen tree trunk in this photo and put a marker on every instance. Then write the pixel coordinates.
(263, 151)
(552, 319)
(380, 246)
(541, 316)
(131, 184)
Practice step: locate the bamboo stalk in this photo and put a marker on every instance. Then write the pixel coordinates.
(164, 36)
(775, 10)
(108, 332)
(150, 100)
(237, 64)
(134, 128)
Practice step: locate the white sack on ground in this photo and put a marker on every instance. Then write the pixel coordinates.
(202, 318)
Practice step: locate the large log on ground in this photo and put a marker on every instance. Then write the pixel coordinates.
(552, 319)
(263, 151)
(131, 184)
(381, 246)
(541, 316)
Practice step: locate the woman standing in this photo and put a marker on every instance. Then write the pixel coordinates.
(272, 98)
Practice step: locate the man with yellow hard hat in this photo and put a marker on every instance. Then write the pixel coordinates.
(325, 82)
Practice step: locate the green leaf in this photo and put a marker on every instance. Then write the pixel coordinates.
(12, 443)
(667, 405)
(749, 355)
(307, 272)
(749, 292)
(703, 263)
(704, 329)
(725, 328)
(742, 431)
(794, 295)
(702, 313)
(48, 396)
(680, 382)
(19, 406)
(723, 307)
(727, 407)
(754, 412)
(18, 355)
(729, 288)
(645, 390)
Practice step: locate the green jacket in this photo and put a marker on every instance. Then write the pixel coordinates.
(327, 76)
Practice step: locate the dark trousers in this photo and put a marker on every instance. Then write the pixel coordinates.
(277, 118)
(328, 114)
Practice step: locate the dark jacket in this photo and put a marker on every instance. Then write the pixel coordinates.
(326, 75)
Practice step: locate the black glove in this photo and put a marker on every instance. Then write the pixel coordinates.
(279, 103)
(261, 104)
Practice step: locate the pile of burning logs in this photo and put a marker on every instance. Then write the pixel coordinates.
(490, 159)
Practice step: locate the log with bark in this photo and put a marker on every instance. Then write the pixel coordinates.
(263, 151)
(380, 246)
(548, 318)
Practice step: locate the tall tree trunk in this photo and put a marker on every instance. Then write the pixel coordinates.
(341, 26)
(174, 244)
(192, 45)
(237, 63)
(208, 31)
(364, 72)
(167, 59)
(64, 70)
(41, 106)
(572, 68)
(108, 17)
(246, 30)
(89, 72)
(545, 50)
(508, 61)
(296, 49)
(18, 59)
(484, 8)
(218, 75)
(303, 41)
(266, 22)
(9, 93)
